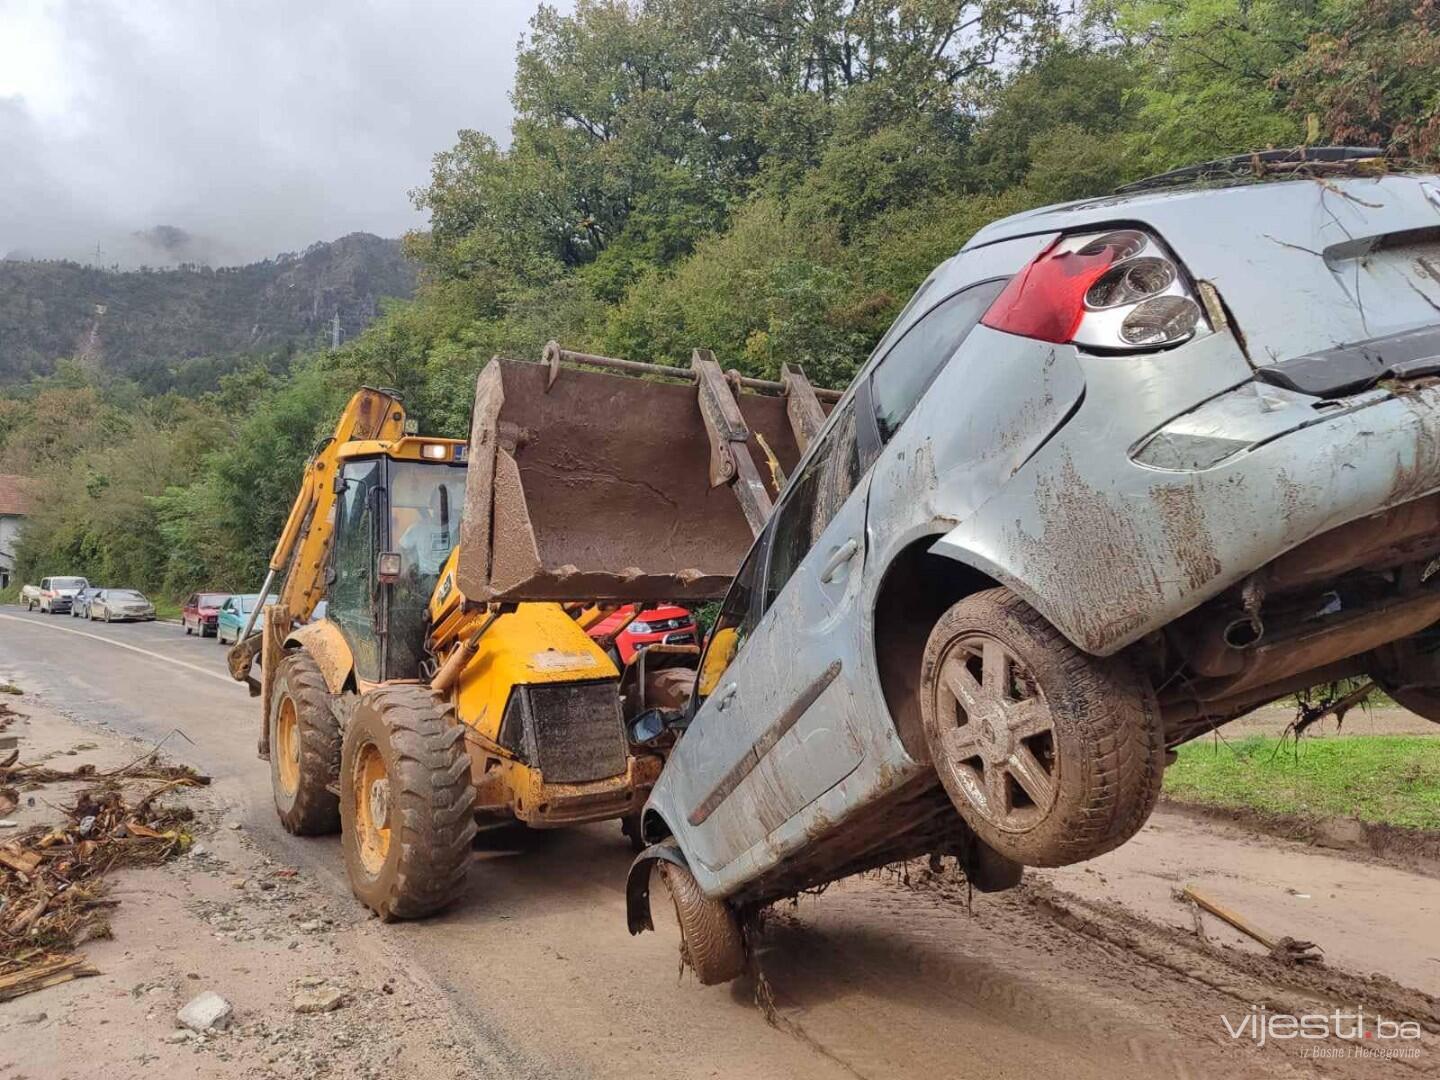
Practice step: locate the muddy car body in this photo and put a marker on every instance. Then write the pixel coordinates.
(1150, 518)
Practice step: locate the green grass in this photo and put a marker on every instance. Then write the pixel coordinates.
(1381, 778)
(165, 608)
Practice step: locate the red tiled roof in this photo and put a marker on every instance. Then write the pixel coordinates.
(14, 495)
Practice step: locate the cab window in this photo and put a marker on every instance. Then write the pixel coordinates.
(353, 588)
(426, 505)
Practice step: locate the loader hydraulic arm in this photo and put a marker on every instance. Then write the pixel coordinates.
(300, 553)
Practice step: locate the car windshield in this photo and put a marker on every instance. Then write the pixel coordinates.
(211, 599)
(68, 583)
(247, 603)
(123, 594)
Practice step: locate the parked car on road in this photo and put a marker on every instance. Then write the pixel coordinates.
(80, 603)
(121, 605)
(1122, 471)
(234, 613)
(53, 594)
(201, 612)
(663, 624)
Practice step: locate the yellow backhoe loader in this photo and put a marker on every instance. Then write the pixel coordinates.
(418, 705)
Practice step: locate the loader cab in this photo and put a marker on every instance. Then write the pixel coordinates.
(397, 518)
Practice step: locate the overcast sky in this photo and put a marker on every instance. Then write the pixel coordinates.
(258, 126)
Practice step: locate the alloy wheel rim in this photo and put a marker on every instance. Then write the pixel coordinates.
(996, 734)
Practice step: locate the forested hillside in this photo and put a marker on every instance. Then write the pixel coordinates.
(768, 178)
(177, 328)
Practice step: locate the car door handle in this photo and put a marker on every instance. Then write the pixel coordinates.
(726, 696)
(843, 554)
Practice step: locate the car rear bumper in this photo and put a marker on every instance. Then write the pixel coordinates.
(1109, 549)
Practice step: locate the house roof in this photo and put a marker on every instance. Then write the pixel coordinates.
(14, 495)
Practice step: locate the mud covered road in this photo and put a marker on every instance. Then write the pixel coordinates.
(1093, 971)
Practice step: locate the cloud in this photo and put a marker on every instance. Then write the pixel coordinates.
(248, 126)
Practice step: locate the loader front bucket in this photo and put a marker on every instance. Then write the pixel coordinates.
(587, 484)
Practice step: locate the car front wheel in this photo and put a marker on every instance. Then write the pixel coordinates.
(1050, 755)
(712, 944)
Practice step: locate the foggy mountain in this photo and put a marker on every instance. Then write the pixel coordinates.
(143, 323)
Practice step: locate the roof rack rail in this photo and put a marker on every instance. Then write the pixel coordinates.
(1260, 164)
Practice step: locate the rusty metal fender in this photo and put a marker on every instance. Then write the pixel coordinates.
(637, 885)
(328, 648)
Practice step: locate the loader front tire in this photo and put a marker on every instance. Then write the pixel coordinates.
(711, 942)
(407, 805)
(1050, 755)
(304, 748)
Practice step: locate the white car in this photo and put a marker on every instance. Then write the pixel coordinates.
(53, 594)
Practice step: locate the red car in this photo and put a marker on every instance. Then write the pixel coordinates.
(664, 623)
(202, 611)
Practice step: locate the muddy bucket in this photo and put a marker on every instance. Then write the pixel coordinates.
(588, 484)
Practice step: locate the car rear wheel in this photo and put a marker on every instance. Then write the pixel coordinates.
(304, 748)
(1050, 755)
(1409, 671)
(407, 805)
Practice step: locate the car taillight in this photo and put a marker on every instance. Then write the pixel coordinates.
(1117, 291)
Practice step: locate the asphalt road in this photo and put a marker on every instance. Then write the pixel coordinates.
(872, 979)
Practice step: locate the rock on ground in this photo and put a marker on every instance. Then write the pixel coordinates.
(207, 1011)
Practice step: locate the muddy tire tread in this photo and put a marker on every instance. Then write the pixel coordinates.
(316, 810)
(1114, 712)
(434, 801)
(712, 944)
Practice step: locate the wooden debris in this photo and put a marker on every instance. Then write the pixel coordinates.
(1286, 950)
(13, 856)
(35, 971)
(148, 768)
(52, 882)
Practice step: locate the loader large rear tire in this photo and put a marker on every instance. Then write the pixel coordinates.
(711, 942)
(1050, 755)
(407, 805)
(304, 748)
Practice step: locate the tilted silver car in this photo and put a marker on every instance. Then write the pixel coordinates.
(1121, 471)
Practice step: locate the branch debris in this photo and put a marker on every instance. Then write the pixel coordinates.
(52, 888)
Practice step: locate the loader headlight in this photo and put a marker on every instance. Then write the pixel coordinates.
(390, 565)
